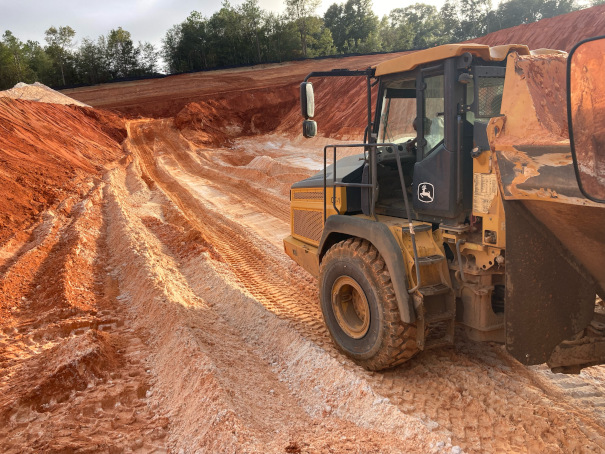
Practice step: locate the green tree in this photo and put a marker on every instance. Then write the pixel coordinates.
(334, 20)
(230, 36)
(196, 44)
(147, 60)
(429, 26)
(319, 39)
(448, 15)
(38, 61)
(14, 66)
(122, 56)
(354, 26)
(282, 41)
(170, 49)
(5, 58)
(91, 61)
(226, 36)
(301, 12)
(360, 20)
(252, 18)
(516, 12)
(60, 43)
(395, 32)
(473, 18)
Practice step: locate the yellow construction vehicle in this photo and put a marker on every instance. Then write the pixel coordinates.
(466, 204)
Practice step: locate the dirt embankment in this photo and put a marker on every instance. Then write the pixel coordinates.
(560, 32)
(215, 107)
(45, 151)
(233, 89)
(218, 122)
(161, 98)
(218, 106)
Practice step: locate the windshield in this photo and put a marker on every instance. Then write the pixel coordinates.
(398, 112)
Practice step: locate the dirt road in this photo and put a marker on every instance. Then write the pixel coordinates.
(474, 395)
(160, 314)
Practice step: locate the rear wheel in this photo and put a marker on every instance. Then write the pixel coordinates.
(360, 309)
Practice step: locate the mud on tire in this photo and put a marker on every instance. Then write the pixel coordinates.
(360, 309)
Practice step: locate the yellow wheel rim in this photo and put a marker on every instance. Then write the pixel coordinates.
(350, 307)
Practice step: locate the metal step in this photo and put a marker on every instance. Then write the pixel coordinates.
(437, 289)
(430, 259)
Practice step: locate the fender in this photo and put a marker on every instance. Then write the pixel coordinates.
(339, 227)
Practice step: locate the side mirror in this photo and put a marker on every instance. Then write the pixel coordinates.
(307, 100)
(309, 129)
(586, 115)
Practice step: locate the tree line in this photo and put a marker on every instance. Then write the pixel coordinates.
(60, 63)
(246, 34)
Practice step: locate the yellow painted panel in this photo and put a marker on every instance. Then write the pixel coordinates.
(410, 61)
(303, 254)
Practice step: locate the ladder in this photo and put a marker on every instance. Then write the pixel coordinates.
(433, 296)
(434, 299)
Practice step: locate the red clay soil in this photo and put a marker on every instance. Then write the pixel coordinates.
(146, 304)
(217, 122)
(560, 32)
(217, 106)
(165, 97)
(44, 148)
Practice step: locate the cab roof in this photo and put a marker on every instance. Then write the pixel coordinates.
(410, 61)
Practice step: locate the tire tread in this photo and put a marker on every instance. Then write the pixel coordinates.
(399, 338)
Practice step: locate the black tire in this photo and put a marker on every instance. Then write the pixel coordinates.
(354, 266)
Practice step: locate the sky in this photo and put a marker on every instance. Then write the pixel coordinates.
(146, 20)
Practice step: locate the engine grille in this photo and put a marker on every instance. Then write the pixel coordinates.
(308, 195)
(308, 224)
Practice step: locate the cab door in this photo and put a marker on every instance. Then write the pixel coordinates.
(437, 191)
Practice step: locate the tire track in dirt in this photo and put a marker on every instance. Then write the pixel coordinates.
(228, 180)
(18, 274)
(219, 394)
(263, 275)
(473, 391)
(19, 270)
(73, 375)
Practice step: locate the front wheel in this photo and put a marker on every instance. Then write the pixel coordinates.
(360, 308)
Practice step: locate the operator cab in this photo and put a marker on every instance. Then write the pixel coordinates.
(430, 122)
(433, 114)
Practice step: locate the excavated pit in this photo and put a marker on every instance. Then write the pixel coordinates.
(146, 303)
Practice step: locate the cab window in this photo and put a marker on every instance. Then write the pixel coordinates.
(398, 112)
(433, 109)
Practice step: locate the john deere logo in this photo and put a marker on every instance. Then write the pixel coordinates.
(426, 192)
